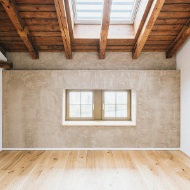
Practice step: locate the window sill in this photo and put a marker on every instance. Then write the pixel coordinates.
(99, 123)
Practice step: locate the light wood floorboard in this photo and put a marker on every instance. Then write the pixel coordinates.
(94, 170)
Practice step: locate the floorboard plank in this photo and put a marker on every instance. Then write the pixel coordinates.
(94, 170)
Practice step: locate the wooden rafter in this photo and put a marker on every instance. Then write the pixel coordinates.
(62, 19)
(105, 27)
(20, 26)
(141, 16)
(6, 65)
(179, 41)
(70, 19)
(149, 23)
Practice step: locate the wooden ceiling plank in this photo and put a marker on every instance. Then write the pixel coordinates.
(36, 8)
(6, 65)
(174, 15)
(40, 21)
(38, 2)
(62, 19)
(105, 27)
(42, 15)
(20, 26)
(176, 7)
(170, 21)
(176, 1)
(149, 23)
(179, 41)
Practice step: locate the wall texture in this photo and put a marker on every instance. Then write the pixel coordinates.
(183, 63)
(32, 109)
(90, 61)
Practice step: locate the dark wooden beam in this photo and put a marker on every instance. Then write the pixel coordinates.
(2, 50)
(20, 26)
(6, 65)
(179, 41)
(62, 19)
(105, 27)
(149, 23)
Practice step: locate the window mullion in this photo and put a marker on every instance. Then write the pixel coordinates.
(97, 104)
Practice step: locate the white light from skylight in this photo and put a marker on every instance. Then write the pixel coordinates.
(90, 12)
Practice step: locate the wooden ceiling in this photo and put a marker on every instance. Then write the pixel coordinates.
(45, 26)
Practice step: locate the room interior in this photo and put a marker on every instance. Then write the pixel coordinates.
(94, 94)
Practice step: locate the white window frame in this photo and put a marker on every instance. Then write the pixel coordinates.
(98, 22)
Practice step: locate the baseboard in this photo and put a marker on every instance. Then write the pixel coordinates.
(90, 148)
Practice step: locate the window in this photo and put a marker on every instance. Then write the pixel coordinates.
(90, 12)
(116, 105)
(80, 104)
(98, 105)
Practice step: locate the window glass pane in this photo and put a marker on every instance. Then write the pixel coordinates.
(121, 97)
(74, 97)
(85, 7)
(109, 97)
(86, 97)
(121, 111)
(109, 111)
(115, 104)
(123, 1)
(116, 7)
(89, 15)
(121, 10)
(74, 110)
(91, 1)
(86, 111)
(120, 15)
(89, 10)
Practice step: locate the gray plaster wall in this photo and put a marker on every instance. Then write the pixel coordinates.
(91, 61)
(33, 105)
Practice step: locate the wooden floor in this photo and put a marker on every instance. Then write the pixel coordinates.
(90, 170)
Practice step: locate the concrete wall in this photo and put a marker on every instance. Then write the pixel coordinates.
(91, 61)
(183, 64)
(32, 109)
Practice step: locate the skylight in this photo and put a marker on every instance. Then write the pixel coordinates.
(90, 12)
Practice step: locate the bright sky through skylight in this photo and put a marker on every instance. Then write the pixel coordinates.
(122, 10)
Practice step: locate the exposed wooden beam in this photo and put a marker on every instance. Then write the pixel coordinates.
(70, 18)
(2, 50)
(62, 19)
(179, 41)
(20, 26)
(149, 23)
(105, 27)
(6, 65)
(141, 16)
